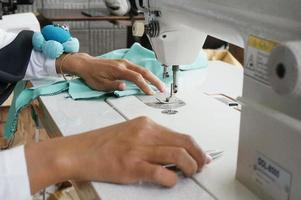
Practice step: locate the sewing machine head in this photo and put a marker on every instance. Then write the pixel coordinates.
(177, 30)
(171, 41)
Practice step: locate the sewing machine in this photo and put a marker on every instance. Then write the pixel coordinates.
(265, 135)
(270, 31)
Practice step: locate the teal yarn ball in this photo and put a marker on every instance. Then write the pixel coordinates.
(52, 49)
(38, 41)
(56, 33)
(54, 40)
(71, 46)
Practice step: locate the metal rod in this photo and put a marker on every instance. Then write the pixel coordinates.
(175, 69)
(165, 72)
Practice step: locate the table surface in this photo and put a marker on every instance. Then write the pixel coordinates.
(212, 123)
(76, 15)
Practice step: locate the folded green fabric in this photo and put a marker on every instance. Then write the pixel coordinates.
(23, 97)
(200, 62)
(77, 88)
(140, 56)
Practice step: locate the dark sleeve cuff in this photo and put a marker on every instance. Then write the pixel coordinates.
(14, 60)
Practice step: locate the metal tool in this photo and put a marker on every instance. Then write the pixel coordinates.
(168, 100)
(165, 72)
(174, 84)
(175, 69)
(214, 154)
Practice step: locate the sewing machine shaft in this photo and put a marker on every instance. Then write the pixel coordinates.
(174, 84)
(175, 69)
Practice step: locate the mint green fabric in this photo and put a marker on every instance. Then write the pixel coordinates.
(77, 89)
(23, 97)
(11, 122)
(116, 54)
(200, 62)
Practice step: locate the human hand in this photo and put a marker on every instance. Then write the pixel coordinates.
(107, 74)
(128, 152)
(135, 151)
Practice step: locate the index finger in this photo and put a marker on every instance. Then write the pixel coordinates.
(148, 75)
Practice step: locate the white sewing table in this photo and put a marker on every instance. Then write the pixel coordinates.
(206, 116)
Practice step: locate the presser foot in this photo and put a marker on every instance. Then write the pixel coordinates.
(159, 101)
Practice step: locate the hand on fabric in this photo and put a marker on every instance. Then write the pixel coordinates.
(128, 152)
(106, 74)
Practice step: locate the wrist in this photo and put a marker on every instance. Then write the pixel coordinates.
(46, 164)
(73, 64)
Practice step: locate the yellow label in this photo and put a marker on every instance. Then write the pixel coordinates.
(261, 44)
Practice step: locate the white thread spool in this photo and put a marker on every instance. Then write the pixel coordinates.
(138, 29)
(118, 7)
(284, 69)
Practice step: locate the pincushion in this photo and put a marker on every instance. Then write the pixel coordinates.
(55, 40)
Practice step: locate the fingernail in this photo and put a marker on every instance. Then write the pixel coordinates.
(122, 86)
(208, 159)
(162, 87)
(151, 92)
